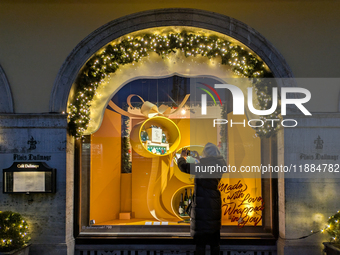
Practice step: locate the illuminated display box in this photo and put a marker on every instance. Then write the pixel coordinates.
(29, 177)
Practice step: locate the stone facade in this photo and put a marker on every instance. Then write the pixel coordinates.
(303, 202)
(50, 216)
(6, 101)
(306, 199)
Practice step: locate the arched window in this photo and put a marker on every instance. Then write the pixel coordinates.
(103, 132)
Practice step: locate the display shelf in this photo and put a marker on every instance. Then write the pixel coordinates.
(156, 148)
(175, 201)
(166, 125)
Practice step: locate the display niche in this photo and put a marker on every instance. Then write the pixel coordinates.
(157, 136)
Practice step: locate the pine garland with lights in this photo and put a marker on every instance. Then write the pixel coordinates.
(333, 228)
(263, 89)
(133, 49)
(14, 231)
(125, 146)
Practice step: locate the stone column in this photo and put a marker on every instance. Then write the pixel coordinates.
(307, 199)
(50, 216)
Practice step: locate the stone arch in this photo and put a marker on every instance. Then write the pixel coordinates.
(6, 100)
(152, 19)
(157, 18)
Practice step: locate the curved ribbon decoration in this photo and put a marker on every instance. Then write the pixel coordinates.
(148, 109)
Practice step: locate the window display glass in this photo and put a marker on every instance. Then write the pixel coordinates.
(131, 162)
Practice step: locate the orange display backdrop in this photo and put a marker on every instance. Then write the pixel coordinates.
(125, 192)
(147, 194)
(105, 169)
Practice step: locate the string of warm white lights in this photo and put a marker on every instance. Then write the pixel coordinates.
(132, 49)
(13, 231)
(332, 228)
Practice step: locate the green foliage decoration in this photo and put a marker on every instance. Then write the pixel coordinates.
(132, 49)
(125, 146)
(14, 231)
(333, 229)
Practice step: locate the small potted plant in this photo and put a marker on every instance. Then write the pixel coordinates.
(14, 235)
(333, 229)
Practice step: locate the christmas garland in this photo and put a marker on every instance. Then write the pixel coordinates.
(133, 49)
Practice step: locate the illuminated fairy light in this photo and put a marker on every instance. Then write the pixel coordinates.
(333, 227)
(133, 49)
(12, 234)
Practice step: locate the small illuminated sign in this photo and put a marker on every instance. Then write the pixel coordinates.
(28, 166)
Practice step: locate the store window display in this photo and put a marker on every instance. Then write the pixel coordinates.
(134, 177)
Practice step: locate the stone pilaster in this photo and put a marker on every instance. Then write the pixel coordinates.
(50, 216)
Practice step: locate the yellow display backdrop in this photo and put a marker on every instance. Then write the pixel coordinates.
(184, 127)
(164, 176)
(174, 178)
(159, 174)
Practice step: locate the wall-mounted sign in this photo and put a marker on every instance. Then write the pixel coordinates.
(319, 155)
(32, 143)
(28, 166)
(27, 177)
(318, 143)
(29, 157)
